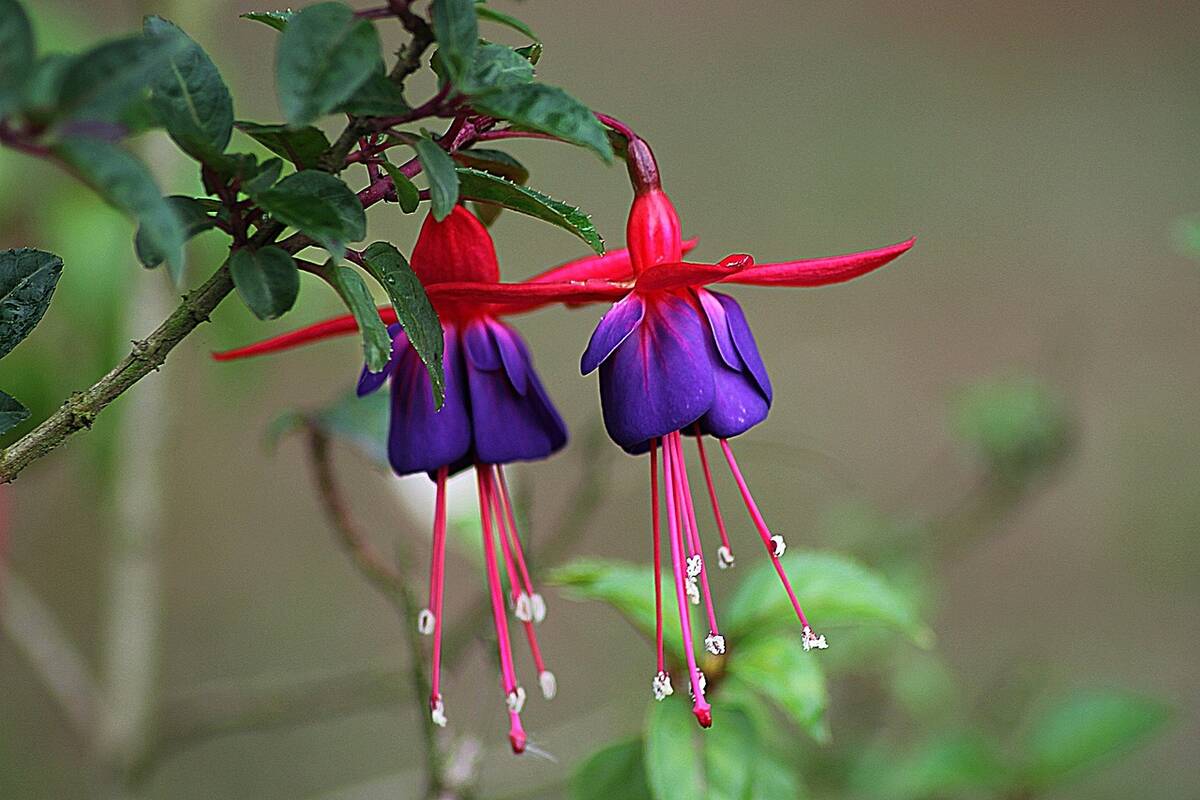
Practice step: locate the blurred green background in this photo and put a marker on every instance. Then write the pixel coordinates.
(1042, 156)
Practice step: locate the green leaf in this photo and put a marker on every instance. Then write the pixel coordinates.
(1085, 729)
(266, 176)
(1018, 426)
(443, 179)
(731, 750)
(324, 55)
(302, 146)
(413, 310)
(774, 779)
(39, 97)
(106, 81)
(193, 216)
(547, 109)
(833, 589)
(267, 280)
(318, 205)
(189, 96)
(617, 770)
(673, 761)
(496, 162)
(12, 413)
(951, 764)
(17, 54)
(377, 345)
(125, 183)
(496, 66)
(457, 34)
(276, 19)
(359, 421)
(377, 97)
(484, 11)
(778, 669)
(488, 188)
(531, 52)
(27, 281)
(407, 194)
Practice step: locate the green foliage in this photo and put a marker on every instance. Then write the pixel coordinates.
(324, 55)
(189, 97)
(302, 146)
(674, 764)
(407, 193)
(413, 310)
(443, 178)
(12, 413)
(488, 188)
(27, 281)
(318, 205)
(548, 109)
(192, 214)
(267, 280)
(16, 54)
(275, 19)
(361, 422)
(777, 668)
(484, 11)
(457, 34)
(378, 96)
(1018, 427)
(377, 345)
(496, 66)
(617, 770)
(103, 83)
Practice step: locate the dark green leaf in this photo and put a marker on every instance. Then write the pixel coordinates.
(27, 281)
(267, 280)
(617, 770)
(496, 66)
(1086, 729)
(833, 589)
(276, 19)
(413, 310)
(496, 162)
(547, 109)
(193, 216)
(189, 96)
(301, 146)
(673, 761)
(44, 86)
(266, 176)
(443, 179)
(780, 671)
(377, 97)
(318, 205)
(407, 194)
(457, 33)
(12, 413)
(531, 52)
(377, 345)
(125, 183)
(487, 12)
(16, 54)
(103, 83)
(488, 188)
(324, 55)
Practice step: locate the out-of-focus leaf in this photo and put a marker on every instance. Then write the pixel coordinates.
(1086, 728)
(487, 12)
(266, 279)
(1017, 426)
(189, 97)
(674, 763)
(125, 183)
(833, 590)
(731, 750)
(377, 345)
(324, 55)
(548, 109)
(496, 162)
(267, 175)
(193, 216)
(413, 310)
(774, 779)
(276, 19)
(318, 205)
(377, 97)
(457, 34)
(361, 422)
(951, 764)
(39, 97)
(407, 193)
(12, 413)
(102, 83)
(1186, 234)
(302, 146)
(488, 188)
(443, 179)
(617, 770)
(16, 54)
(27, 281)
(780, 671)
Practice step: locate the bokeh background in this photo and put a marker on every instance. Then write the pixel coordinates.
(1043, 154)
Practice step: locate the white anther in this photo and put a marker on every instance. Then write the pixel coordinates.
(715, 644)
(515, 700)
(695, 564)
(813, 642)
(699, 679)
(724, 557)
(778, 546)
(662, 686)
(549, 684)
(425, 622)
(438, 713)
(524, 609)
(538, 604)
(693, 591)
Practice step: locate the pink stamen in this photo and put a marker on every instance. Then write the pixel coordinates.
(712, 492)
(518, 550)
(684, 490)
(516, 735)
(700, 706)
(510, 570)
(763, 531)
(658, 615)
(437, 577)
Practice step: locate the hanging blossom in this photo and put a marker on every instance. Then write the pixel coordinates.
(496, 411)
(677, 358)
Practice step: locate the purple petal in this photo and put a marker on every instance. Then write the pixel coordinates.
(720, 328)
(369, 381)
(614, 328)
(480, 349)
(742, 397)
(515, 356)
(661, 379)
(421, 439)
(746, 346)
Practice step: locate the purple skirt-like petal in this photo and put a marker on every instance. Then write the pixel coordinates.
(368, 381)
(659, 379)
(742, 395)
(420, 438)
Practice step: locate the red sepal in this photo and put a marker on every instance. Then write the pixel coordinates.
(819, 271)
